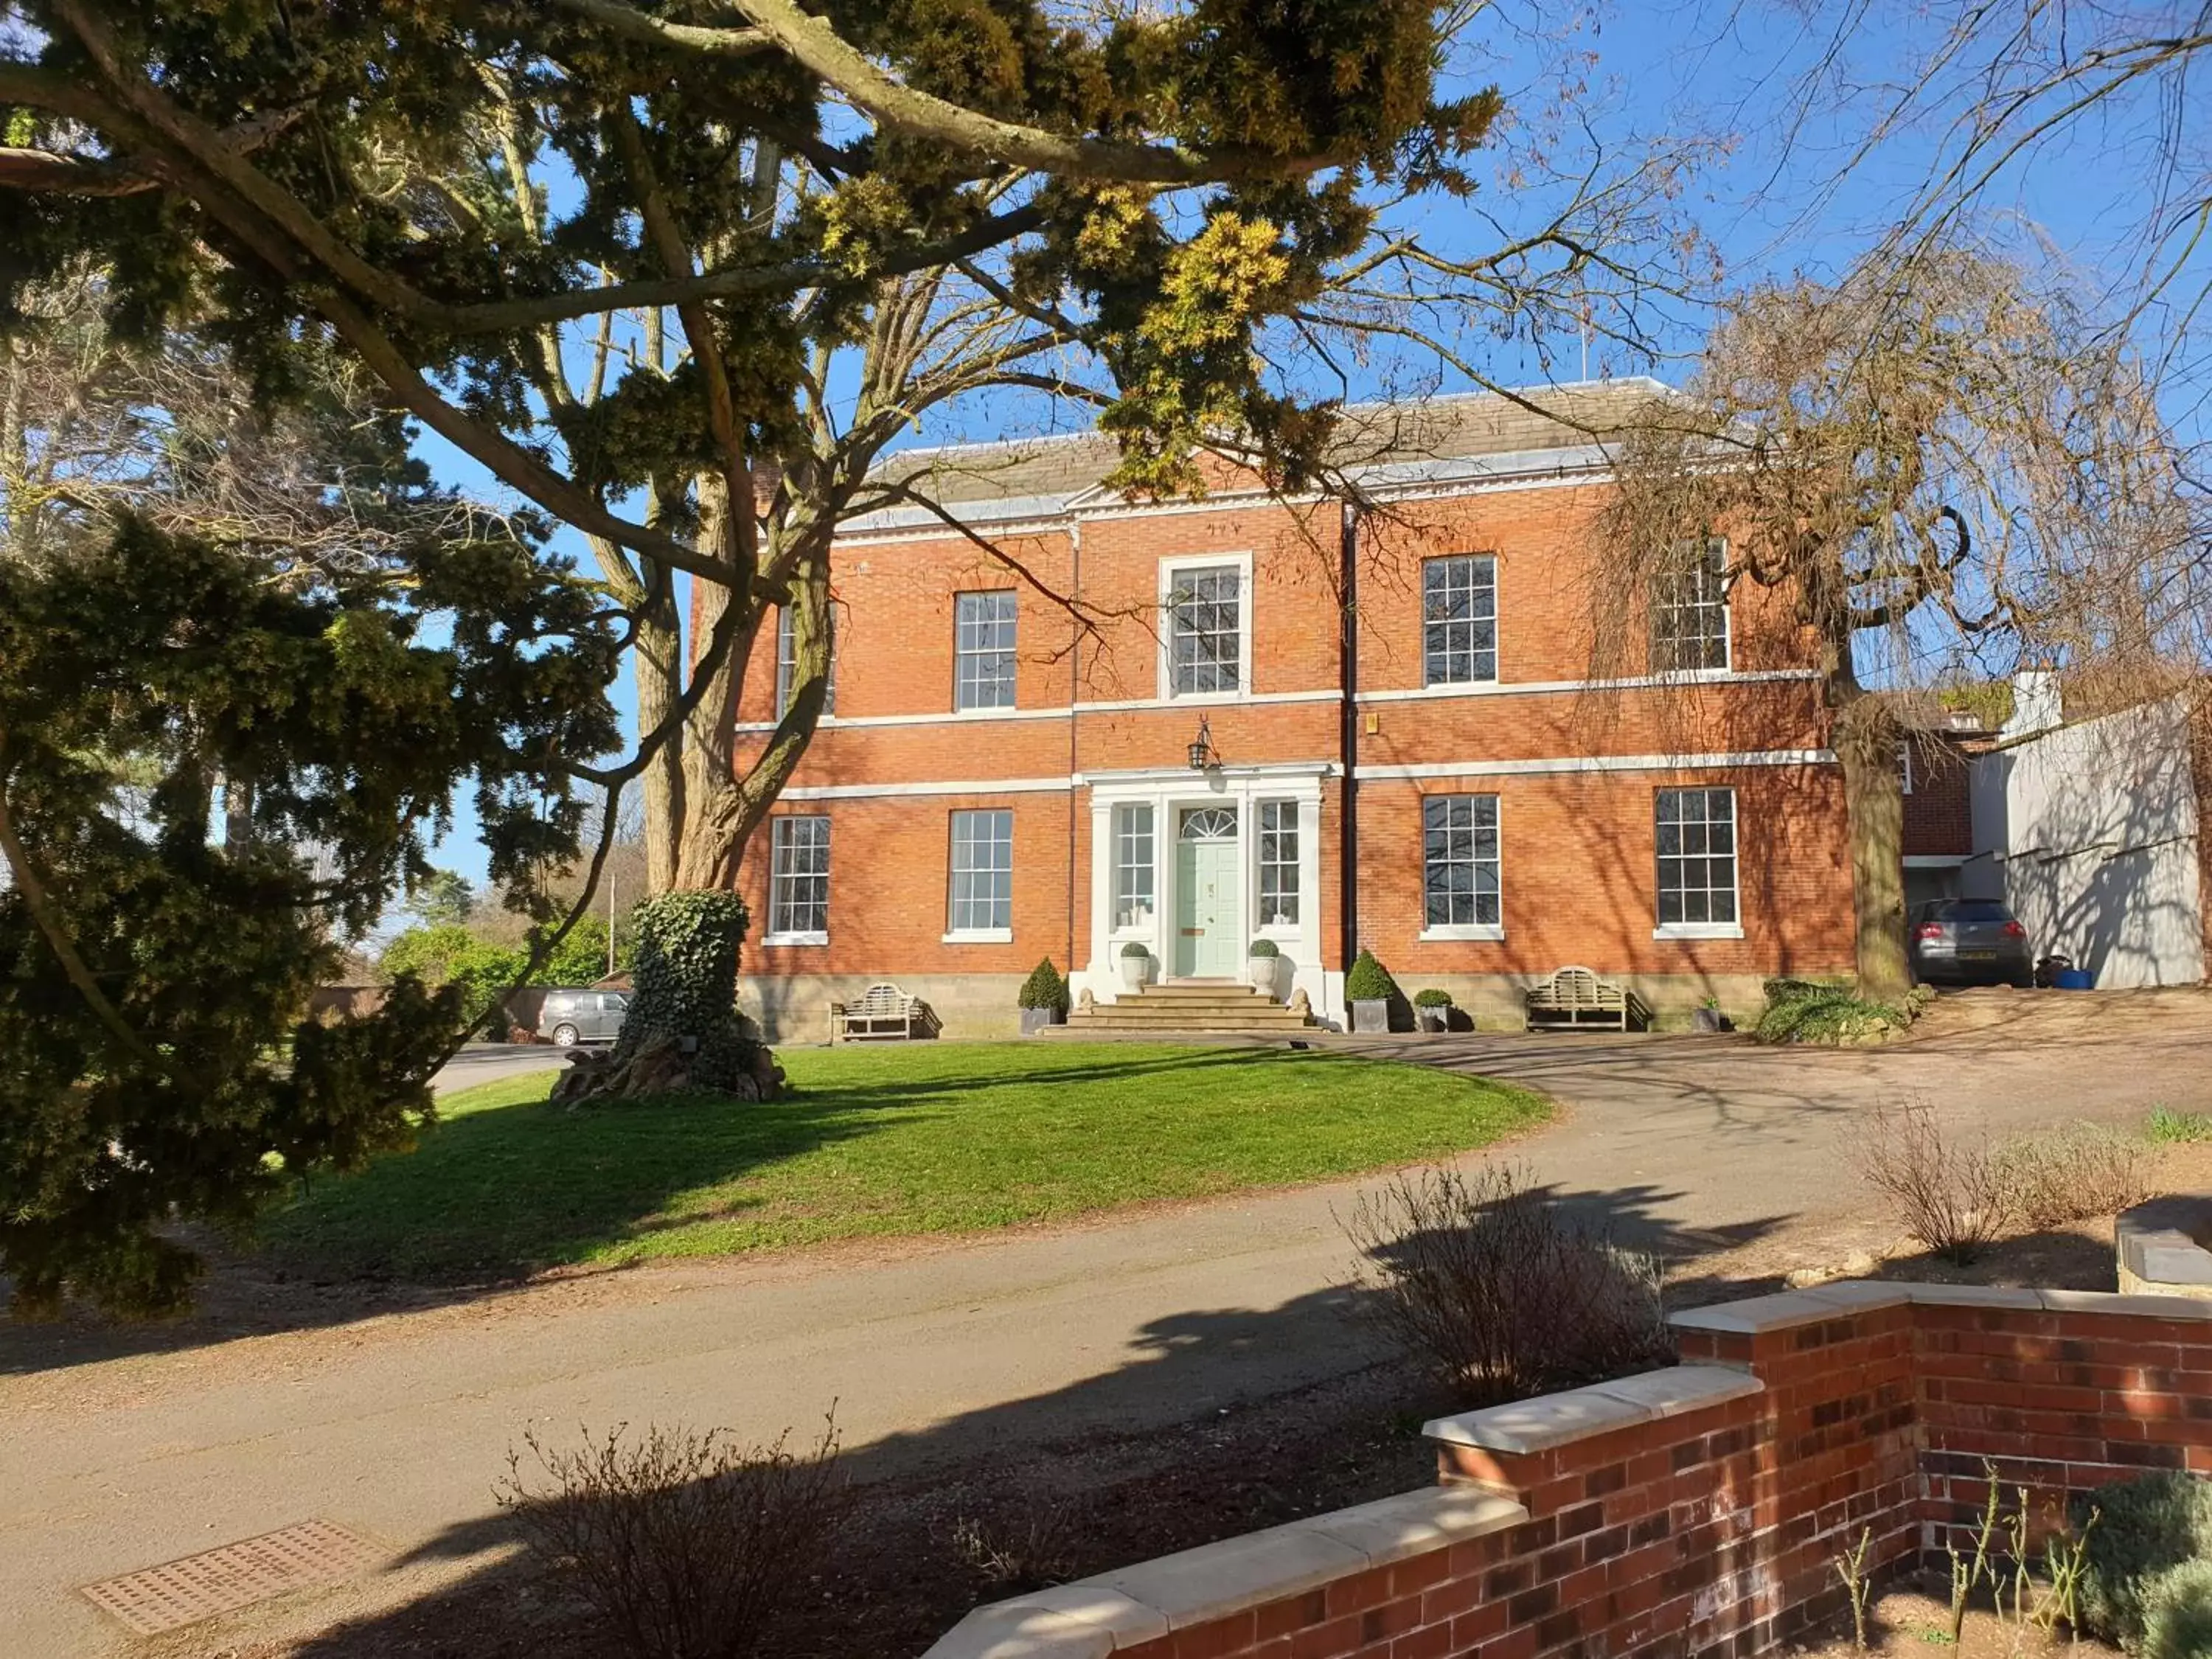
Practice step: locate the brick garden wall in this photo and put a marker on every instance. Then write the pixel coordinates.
(1685, 1512)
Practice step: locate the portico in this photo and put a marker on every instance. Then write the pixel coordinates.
(1195, 865)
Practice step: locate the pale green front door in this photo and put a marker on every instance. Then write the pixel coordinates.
(1209, 943)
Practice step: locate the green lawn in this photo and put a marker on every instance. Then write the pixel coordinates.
(903, 1139)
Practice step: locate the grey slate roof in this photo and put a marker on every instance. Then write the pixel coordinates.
(1460, 435)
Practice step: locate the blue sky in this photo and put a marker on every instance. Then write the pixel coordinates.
(1783, 201)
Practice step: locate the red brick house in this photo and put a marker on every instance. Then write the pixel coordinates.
(1410, 749)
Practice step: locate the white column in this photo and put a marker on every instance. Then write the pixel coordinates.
(1102, 977)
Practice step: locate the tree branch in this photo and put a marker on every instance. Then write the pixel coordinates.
(49, 923)
(635, 25)
(930, 119)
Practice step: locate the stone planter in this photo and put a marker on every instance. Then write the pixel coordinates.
(1432, 1019)
(1371, 1015)
(1710, 1019)
(1262, 971)
(1035, 1019)
(1133, 971)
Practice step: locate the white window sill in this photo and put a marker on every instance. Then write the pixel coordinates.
(1170, 695)
(1699, 930)
(981, 936)
(1445, 688)
(983, 711)
(795, 938)
(1484, 932)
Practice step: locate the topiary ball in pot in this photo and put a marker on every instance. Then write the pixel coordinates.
(1433, 1008)
(1370, 990)
(1043, 998)
(1136, 963)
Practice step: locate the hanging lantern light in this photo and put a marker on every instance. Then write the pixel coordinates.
(1202, 757)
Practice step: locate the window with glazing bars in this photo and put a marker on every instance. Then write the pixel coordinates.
(787, 666)
(1132, 866)
(982, 873)
(1459, 862)
(1206, 643)
(799, 876)
(1279, 863)
(1459, 619)
(983, 651)
(1696, 857)
(1689, 610)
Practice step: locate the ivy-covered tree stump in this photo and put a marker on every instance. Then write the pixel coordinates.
(683, 1032)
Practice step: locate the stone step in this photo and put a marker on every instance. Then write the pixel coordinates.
(1226, 1000)
(1183, 993)
(1161, 1019)
(1225, 1026)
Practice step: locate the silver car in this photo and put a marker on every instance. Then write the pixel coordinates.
(1969, 942)
(570, 1017)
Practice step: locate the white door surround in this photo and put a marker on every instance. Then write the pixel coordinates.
(1170, 792)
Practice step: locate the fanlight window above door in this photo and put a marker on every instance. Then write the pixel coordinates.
(1210, 823)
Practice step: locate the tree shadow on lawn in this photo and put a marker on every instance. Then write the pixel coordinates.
(489, 1196)
(1211, 1422)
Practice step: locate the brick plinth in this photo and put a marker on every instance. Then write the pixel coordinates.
(1694, 1512)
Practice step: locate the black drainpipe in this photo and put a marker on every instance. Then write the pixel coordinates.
(1347, 656)
(1074, 688)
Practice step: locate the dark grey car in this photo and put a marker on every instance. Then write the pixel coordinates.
(1969, 942)
(569, 1018)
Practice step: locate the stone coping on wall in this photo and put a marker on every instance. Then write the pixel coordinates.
(1133, 1605)
(1094, 1617)
(2161, 1246)
(1554, 1420)
(1790, 1310)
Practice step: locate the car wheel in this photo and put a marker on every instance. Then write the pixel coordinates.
(565, 1036)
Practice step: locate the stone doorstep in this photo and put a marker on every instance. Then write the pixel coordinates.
(1094, 1616)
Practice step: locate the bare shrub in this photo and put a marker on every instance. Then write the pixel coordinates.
(1946, 1193)
(1031, 1552)
(684, 1543)
(1504, 1293)
(2071, 1174)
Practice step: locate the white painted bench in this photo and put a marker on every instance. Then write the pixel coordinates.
(884, 1011)
(1575, 997)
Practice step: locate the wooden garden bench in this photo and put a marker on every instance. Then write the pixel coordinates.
(884, 1011)
(1575, 997)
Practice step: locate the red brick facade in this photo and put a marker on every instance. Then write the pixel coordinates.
(1573, 747)
(1693, 1512)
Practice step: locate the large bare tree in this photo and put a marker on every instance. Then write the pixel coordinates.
(1938, 458)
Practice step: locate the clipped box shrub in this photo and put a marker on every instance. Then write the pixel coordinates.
(1369, 981)
(1043, 988)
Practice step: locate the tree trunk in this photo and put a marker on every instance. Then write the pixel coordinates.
(1866, 740)
(659, 685)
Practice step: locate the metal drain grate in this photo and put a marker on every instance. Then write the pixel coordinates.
(236, 1576)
